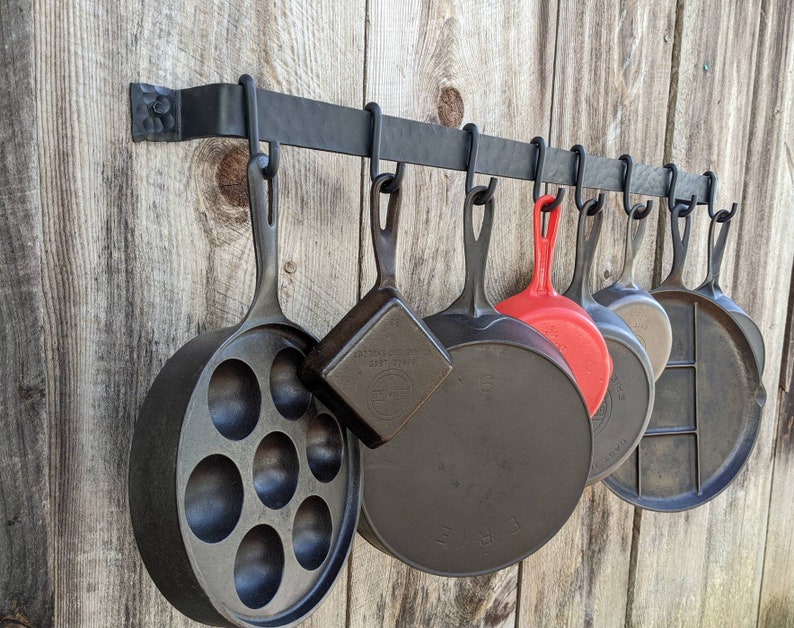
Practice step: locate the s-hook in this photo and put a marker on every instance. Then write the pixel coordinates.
(593, 205)
(374, 157)
(639, 210)
(672, 203)
(252, 122)
(474, 148)
(539, 143)
(722, 215)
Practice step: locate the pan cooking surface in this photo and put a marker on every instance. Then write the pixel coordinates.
(265, 481)
(706, 415)
(487, 470)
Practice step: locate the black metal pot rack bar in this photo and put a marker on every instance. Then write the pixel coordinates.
(160, 114)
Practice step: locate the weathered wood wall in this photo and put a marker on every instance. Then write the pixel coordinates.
(112, 255)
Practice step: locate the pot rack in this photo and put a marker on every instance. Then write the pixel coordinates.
(161, 114)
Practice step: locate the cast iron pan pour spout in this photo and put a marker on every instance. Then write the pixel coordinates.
(496, 460)
(243, 489)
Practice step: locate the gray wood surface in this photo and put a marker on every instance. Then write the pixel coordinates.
(25, 521)
(112, 255)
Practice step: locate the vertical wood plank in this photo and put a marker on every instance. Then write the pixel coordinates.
(773, 137)
(704, 566)
(147, 245)
(25, 534)
(452, 62)
(611, 84)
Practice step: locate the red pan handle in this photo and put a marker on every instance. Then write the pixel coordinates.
(384, 239)
(544, 247)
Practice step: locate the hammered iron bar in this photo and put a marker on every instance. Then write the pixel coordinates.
(244, 490)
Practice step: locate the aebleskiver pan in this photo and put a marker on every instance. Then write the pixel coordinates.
(243, 489)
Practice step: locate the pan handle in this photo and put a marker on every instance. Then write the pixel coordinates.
(473, 301)
(263, 201)
(633, 243)
(544, 246)
(680, 245)
(579, 290)
(384, 239)
(716, 250)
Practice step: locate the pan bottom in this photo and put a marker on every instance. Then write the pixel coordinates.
(488, 470)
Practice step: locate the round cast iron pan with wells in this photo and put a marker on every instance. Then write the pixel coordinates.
(244, 490)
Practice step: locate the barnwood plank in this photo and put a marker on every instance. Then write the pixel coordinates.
(452, 62)
(773, 136)
(25, 532)
(147, 245)
(703, 567)
(611, 84)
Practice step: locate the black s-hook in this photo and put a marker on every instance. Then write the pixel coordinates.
(639, 210)
(474, 148)
(593, 205)
(723, 215)
(374, 157)
(252, 121)
(684, 208)
(540, 144)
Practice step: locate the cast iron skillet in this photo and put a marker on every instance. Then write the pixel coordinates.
(496, 460)
(244, 491)
(380, 363)
(642, 313)
(558, 318)
(620, 422)
(708, 402)
(711, 288)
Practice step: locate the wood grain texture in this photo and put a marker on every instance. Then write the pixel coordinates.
(417, 54)
(25, 577)
(704, 566)
(113, 254)
(142, 252)
(611, 83)
(773, 138)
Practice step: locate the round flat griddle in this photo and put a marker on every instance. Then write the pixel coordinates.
(708, 403)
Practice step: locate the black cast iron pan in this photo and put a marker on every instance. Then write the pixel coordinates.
(618, 425)
(380, 363)
(711, 287)
(496, 460)
(708, 402)
(641, 312)
(244, 491)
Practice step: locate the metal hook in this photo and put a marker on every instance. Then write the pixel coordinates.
(593, 206)
(684, 208)
(639, 210)
(540, 144)
(249, 89)
(474, 148)
(374, 157)
(722, 215)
